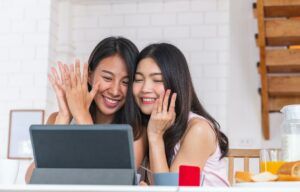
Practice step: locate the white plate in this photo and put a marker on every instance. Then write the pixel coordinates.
(269, 184)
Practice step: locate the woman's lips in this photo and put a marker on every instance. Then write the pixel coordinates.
(111, 103)
(148, 100)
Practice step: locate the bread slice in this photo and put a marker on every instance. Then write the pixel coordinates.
(291, 168)
(264, 177)
(241, 176)
(288, 178)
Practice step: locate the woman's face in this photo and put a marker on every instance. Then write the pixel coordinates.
(112, 74)
(148, 85)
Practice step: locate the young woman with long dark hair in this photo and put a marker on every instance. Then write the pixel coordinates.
(179, 130)
(103, 94)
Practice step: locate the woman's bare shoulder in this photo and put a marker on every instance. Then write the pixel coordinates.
(200, 126)
(200, 130)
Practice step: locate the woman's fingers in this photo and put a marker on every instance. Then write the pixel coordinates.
(55, 74)
(53, 83)
(166, 101)
(72, 76)
(173, 118)
(160, 101)
(172, 103)
(85, 74)
(51, 79)
(61, 70)
(171, 111)
(67, 77)
(163, 115)
(94, 90)
(77, 72)
(162, 104)
(155, 107)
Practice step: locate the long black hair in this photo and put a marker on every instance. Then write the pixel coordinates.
(124, 48)
(177, 78)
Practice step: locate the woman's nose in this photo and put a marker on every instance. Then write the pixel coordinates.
(114, 89)
(147, 86)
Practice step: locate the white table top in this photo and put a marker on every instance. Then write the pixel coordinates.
(89, 188)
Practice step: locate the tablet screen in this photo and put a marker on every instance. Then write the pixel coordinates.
(82, 146)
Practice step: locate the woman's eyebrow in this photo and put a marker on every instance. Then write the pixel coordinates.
(151, 74)
(139, 73)
(112, 74)
(105, 71)
(154, 74)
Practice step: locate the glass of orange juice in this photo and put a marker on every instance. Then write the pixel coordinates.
(270, 160)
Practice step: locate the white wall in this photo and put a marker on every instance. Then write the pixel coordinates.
(200, 28)
(243, 110)
(216, 36)
(24, 45)
(24, 40)
(32, 40)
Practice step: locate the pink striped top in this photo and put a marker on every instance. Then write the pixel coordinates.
(214, 168)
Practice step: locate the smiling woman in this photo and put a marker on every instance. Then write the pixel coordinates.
(111, 74)
(148, 85)
(105, 84)
(179, 130)
(103, 94)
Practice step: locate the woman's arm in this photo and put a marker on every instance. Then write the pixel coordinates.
(198, 143)
(157, 155)
(161, 119)
(140, 146)
(52, 118)
(29, 172)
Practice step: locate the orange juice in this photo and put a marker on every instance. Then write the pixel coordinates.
(271, 166)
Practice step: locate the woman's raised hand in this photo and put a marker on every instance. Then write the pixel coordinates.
(78, 97)
(163, 115)
(64, 116)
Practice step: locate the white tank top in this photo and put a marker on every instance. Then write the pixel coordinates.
(214, 168)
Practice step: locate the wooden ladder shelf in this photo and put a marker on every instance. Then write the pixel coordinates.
(279, 67)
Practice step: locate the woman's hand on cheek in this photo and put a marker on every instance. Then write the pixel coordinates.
(163, 115)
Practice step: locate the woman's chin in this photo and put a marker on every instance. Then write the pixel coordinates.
(108, 111)
(146, 111)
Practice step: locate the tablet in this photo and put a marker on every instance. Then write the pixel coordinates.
(83, 146)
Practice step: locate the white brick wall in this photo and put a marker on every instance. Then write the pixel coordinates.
(150, 7)
(24, 46)
(59, 45)
(34, 34)
(190, 18)
(205, 6)
(24, 40)
(198, 27)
